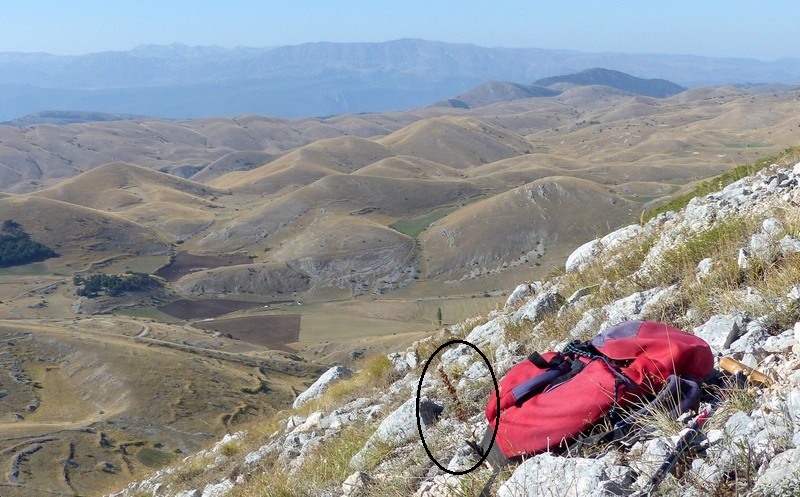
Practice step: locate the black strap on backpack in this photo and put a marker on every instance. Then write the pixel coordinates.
(679, 395)
(560, 368)
(495, 459)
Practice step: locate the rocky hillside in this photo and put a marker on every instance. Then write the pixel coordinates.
(726, 267)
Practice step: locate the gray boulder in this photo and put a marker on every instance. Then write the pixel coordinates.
(704, 268)
(544, 303)
(521, 293)
(491, 332)
(399, 427)
(218, 489)
(700, 215)
(788, 245)
(720, 331)
(589, 251)
(319, 387)
(782, 473)
(355, 484)
(546, 475)
(189, 493)
(752, 341)
(583, 255)
(636, 306)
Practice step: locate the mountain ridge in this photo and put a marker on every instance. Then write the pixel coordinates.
(659, 88)
(358, 77)
(504, 91)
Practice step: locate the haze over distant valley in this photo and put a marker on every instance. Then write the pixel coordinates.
(321, 79)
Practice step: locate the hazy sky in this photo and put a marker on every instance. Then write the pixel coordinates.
(764, 30)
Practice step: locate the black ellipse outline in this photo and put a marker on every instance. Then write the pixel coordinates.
(497, 417)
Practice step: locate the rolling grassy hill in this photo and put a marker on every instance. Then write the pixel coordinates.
(80, 233)
(175, 206)
(266, 187)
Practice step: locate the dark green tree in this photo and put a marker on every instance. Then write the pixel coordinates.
(113, 285)
(16, 246)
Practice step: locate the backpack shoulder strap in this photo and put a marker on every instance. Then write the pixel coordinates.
(495, 459)
(680, 395)
(558, 369)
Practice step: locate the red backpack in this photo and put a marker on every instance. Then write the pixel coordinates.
(548, 400)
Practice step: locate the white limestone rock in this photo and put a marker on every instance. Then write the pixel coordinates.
(546, 475)
(590, 251)
(720, 331)
(319, 387)
(400, 426)
(490, 333)
(636, 306)
(583, 255)
(704, 268)
(782, 473)
(544, 303)
(355, 485)
(218, 489)
(520, 293)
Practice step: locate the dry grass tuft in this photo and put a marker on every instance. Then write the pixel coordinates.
(192, 468)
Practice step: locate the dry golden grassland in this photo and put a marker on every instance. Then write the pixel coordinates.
(147, 386)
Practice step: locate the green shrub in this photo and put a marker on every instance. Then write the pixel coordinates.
(112, 284)
(16, 246)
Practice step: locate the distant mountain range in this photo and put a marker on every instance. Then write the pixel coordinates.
(317, 79)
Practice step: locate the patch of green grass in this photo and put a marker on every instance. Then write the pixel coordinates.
(774, 282)
(275, 483)
(141, 493)
(154, 458)
(414, 226)
(147, 313)
(517, 330)
(230, 448)
(642, 199)
(329, 465)
(191, 469)
(324, 467)
(33, 269)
